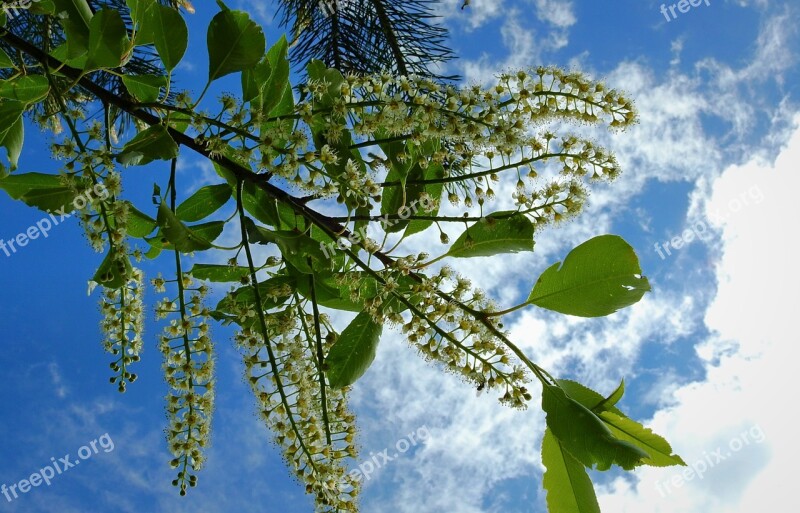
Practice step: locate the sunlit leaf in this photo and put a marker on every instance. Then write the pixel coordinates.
(597, 278)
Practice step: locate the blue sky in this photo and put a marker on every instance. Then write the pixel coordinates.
(706, 355)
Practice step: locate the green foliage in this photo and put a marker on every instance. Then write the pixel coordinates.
(353, 351)
(569, 489)
(497, 233)
(331, 183)
(597, 278)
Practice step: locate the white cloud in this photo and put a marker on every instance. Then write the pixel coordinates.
(749, 358)
(556, 12)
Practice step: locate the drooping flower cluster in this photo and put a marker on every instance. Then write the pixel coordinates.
(310, 422)
(123, 325)
(189, 371)
(444, 331)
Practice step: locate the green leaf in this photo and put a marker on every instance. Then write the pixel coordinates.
(141, 20)
(259, 205)
(170, 34)
(204, 202)
(113, 271)
(61, 53)
(612, 399)
(25, 88)
(5, 60)
(273, 292)
(623, 428)
(19, 185)
(275, 88)
(499, 232)
(76, 20)
(253, 80)
(39, 190)
(145, 88)
(296, 247)
(659, 450)
(434, 191)
(10, 112)
(43, 7)
(139, 224)
(330, 294)
(151, 144)
(187, 239)
(12, 141)
(317, 70)
(235, 42)
(584, 435)
(353, 351)
(597, 278)
(108, 40)
(219, 273)
(588, 397)
(569, 488)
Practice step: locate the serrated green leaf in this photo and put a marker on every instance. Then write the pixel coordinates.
(170, 35)
(204, 202)
(219, 273)
(584, 435)
(659, 450)
(499, 232)
(108, 40)
(235, 42)
(353, 352)
(145, 88)
(25, 88)
(569, 488)
(612, 399)
(153, 143)
(597, 278)
(587, 397)
(622, 427)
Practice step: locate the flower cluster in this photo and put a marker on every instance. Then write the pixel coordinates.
(123, 325)
(446, 327)
(469, 132)
(189, 370)
(311, 422)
